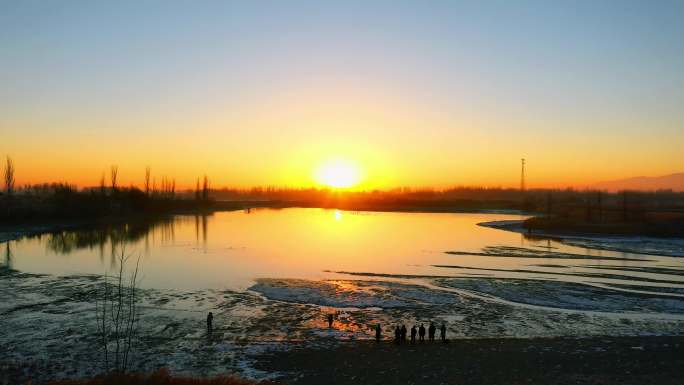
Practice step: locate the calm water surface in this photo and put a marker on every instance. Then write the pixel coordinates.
(231, 249)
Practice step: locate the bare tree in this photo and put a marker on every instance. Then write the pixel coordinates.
(173, 188)
(103, 187)
(147, 180)
(9, 176)
(205, 189)
(117, 316)
(114, 171)
(197, 190)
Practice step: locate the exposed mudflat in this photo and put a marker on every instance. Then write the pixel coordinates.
(568, 295)
(602, 360)
(673, 247)
(523, 252)
(53, 332)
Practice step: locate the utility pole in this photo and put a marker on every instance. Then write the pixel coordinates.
(522, 175)
(522, 184)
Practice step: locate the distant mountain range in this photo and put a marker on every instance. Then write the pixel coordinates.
(672, 181)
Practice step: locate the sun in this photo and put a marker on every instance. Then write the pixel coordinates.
(338, 173)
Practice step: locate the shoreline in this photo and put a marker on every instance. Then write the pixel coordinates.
(516, 226)
(54, 329)
(639, 244)
(14, 231)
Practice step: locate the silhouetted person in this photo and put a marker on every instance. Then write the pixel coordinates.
(413, 334)
(397, 334)
(442, 333)
(431, 332)
(378, 333)
(330, 320)
(403, 333)
(210, 319)
(421, 333)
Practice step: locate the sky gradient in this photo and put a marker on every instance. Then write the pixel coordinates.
(437, 93)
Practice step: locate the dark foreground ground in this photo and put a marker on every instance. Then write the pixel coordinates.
(610, 360)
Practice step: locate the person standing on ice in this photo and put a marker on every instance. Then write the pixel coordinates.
(378, 333)
(442, 333)
(431, 331)
(330, 320)
(413, 334)
(210, 319)
(421, 333)
(403, 333)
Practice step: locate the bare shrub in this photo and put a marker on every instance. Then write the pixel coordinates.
(117, 316)
(114, 172)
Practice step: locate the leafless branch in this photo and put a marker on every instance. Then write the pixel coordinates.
(9, 176)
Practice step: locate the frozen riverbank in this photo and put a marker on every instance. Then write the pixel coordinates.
(673, 247)
(53, 333)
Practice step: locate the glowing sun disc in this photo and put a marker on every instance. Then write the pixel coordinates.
(338, 173)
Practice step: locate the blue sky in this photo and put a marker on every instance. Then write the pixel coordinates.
(546, 80)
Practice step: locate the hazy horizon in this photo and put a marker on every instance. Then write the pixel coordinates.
(409, 94)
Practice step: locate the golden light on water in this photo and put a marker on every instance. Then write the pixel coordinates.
(338, 173)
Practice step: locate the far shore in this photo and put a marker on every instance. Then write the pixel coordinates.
(12, 230)
(532, 226)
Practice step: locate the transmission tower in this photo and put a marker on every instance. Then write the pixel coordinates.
(522, 175)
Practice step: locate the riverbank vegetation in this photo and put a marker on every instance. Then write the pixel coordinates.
(595, 204)
(658, 213)
(65, 201)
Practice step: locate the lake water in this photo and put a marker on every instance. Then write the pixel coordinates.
(232, 249)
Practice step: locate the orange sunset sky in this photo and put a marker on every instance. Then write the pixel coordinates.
(421, 94)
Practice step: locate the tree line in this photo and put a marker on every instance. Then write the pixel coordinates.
(108, 198)
(161, 195)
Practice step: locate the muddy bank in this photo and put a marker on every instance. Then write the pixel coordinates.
(568, 295)
(600, 360)
(52, 321)
(53, 334)
(673, 247)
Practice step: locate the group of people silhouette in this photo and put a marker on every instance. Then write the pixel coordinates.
(400, 333)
